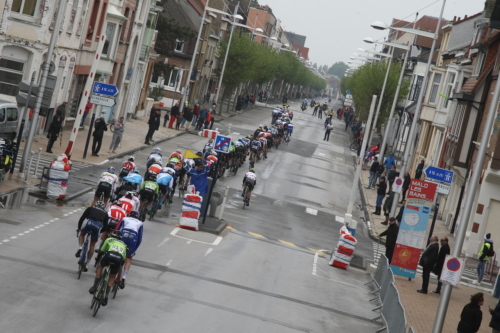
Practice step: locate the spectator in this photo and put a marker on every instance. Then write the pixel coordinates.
(86, 112)
(61, 110)
(329, 128)
(427, 261)
(179, 119)
(471, 316)
(198, 176)
(389, 162)
(373, 173)
(239, 104)
(208, 119)
(391, 177)
(495, 318)
(391, 236)
(399, 217)
(174, 112)
(484, 255)
(119, 128)
(387, 207)
(154, 124)
(187, 116)
(381, 188)
(99, 128)
(201, 119)
(438, 267)
(54, 130)
(406, 186)
(166, 118)
(196, 114)
(212, 118)
(420, 169)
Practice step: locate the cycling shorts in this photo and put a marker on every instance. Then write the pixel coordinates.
(255, 150)
(250, 184)
(147, 195)
(114, 260)
(163, 188)
(124, 173)
(111, 225)
(93, 228)
(105, 189)
(130, 239)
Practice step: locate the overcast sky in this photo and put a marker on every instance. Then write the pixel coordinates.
(336, 28)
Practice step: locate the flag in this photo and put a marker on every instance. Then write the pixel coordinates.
(190, 154)
(443, 95)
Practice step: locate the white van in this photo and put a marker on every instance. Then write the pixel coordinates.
(9, 117)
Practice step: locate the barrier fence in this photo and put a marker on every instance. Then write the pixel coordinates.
(392, 311)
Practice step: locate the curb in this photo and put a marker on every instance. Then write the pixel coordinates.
(77, 194)
(217, 231)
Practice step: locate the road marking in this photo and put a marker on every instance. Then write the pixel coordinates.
(55, 219)
(208, 251)
(315, 263)
(256, 235)
(13, 237)
(287, 243)
(217, 240)
(339, 219)
(103, 162)
(228, 220)
(65, 215)
(47, 223)
(5, 240)
(168, 263)
(321, 154)
(189, 241)
(31, 229)
(164, 241)
(27, 232)
(41, 225)
(311, 211)
(37, 227)
(318, 251)
(229, 227)
(21, 234)
(175, 231)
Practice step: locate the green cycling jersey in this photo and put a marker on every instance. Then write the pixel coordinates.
(114, 245)
(150, 186)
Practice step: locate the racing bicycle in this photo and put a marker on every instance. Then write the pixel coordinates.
(82, 260)
(100, 293)
(246, 199)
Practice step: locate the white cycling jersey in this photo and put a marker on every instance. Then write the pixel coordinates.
(250, 175)
(107, 177)
(132, 224)
(190, 162)
(155, 157)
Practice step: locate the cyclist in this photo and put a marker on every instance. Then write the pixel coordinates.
(263, 144)
(106, 185)
(114, 256)
(127, 167)
(275, 115)
(97, 218)
(154, 157)
(304, 105)
(122, 190)
(289, 129)
(257, 131)
(178, 154)
(154, 169)
(254, 148)
(149, 190)
(134, 178)
(116, 213)
(128, 202)
(208, 146)
(131, 228)
(165, 183)
(249, 182)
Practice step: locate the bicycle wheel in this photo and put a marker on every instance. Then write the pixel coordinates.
(152, 210)
(82, 260)
(354, 146)
(115, 289)
(96, 301)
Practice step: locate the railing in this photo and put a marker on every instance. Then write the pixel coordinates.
(392, 311)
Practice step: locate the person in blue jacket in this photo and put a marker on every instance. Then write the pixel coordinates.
(198, 176)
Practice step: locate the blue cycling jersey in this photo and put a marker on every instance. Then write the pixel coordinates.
(133, 178)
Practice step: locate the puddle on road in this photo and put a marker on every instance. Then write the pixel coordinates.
(15, 199)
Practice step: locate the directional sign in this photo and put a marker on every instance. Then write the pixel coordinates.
(104, 89)
(442, 175)
(222, 143)
(443, 188)
(104, 101)
(452, 270)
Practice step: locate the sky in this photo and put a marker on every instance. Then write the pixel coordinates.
(336, 28)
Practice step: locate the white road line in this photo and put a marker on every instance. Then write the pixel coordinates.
(217, 240)
(65, 215)
(31, 229)
(5, 240)
(208, 251)
(164, 241)
(321, 154)
(311, 211)
(13, 237)
(339, 219)
(175, 231)
(189, 241)
(21, 234)
(27, 232)
(315, 263)
(103, 162)
(168, 263)
(37, 227)
(41, 225)
(55, 219)
(47, 223)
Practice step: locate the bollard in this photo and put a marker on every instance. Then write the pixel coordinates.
(29, 165)
(223, 203)
(229, 128)
(215, 201)
(37, 161)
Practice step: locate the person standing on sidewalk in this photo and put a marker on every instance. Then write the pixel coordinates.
(471, 316)
(406, 186)
(420, 169)
(208, 119)
(399, 217)
(54, 130)
(196, 115)
(86, 112)
(201, 119)
(389, 162)
(166, 118)
(174, 112)
(187, 116)
(154, 123)
(484, 255)
(329, 128)
(373, 173)
(387, 207)
(495, 318)
(100, 126)
(119, 128)
(427, 261)
(438, 267)
(381, 188)
(391, 236)
(391, 177)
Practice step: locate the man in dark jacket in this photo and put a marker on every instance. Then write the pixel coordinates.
(471, 316)
(381, 188)
(438, 267)
(174, 112)
(54, 130)
(373, 173)
(154, 123)
(399, 217)
(100, 127)
(420, 169)
(392, 236)
(427, 261)
(391, 177)
(495, 318)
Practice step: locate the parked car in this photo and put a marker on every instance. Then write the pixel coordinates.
(8, 120)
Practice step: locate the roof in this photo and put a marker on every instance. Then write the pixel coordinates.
(429, 23)
(399, 24)
(302, 51)
(183, 13)
(472, 84)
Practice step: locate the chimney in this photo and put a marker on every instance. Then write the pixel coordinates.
(465, 17)
(454, 18)
(489, 5)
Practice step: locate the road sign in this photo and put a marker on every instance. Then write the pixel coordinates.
(452, 270)
(104, 89)
(222, 143)
(397, 186)
(443, 189)
(104, 101)
(442, 175)
(421, 192)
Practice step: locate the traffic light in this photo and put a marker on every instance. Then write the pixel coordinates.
(24, 86)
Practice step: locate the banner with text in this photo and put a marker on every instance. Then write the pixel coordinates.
(420, 198)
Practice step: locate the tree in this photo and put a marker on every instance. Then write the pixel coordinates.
(169, 31)
(324, 68)
(368, 81)
(338, 69)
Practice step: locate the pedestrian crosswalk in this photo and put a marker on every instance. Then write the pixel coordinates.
(45, 161)
(468, 275)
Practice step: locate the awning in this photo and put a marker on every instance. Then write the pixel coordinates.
(114, 12)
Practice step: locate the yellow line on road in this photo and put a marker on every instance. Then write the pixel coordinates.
(229, 227)
(317, 251)
(256, 235)
(287, 243)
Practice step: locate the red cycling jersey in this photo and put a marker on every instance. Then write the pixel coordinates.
(116, 213)
(127, 204)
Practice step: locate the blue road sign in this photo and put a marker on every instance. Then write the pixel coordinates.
(222, 143)
(104, 89)
(442, 175)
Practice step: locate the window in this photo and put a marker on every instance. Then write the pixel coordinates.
(172, 82)
(479, 64)
(11, 73)
(108, 44)
(179, 45)
(415, 91)
(435, 87)
(457, 122)
(448, 89)
(25, 7)
(2, 115)
(11, 114)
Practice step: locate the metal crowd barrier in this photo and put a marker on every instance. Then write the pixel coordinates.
(393, 311)
(411, 330)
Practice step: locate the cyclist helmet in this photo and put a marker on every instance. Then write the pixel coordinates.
(129, 195)
(118, 203)
(111, 169)
(252, 170)
(131, 158)
(170, 172)
(179, 151)
(240, 139)
(158, 151)
(99, 204)
(152, 177)
(212, 158)
(116, 234)
(134, 213)
(136, 171)
(170, 165)
(211, 141)
(200, 153)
